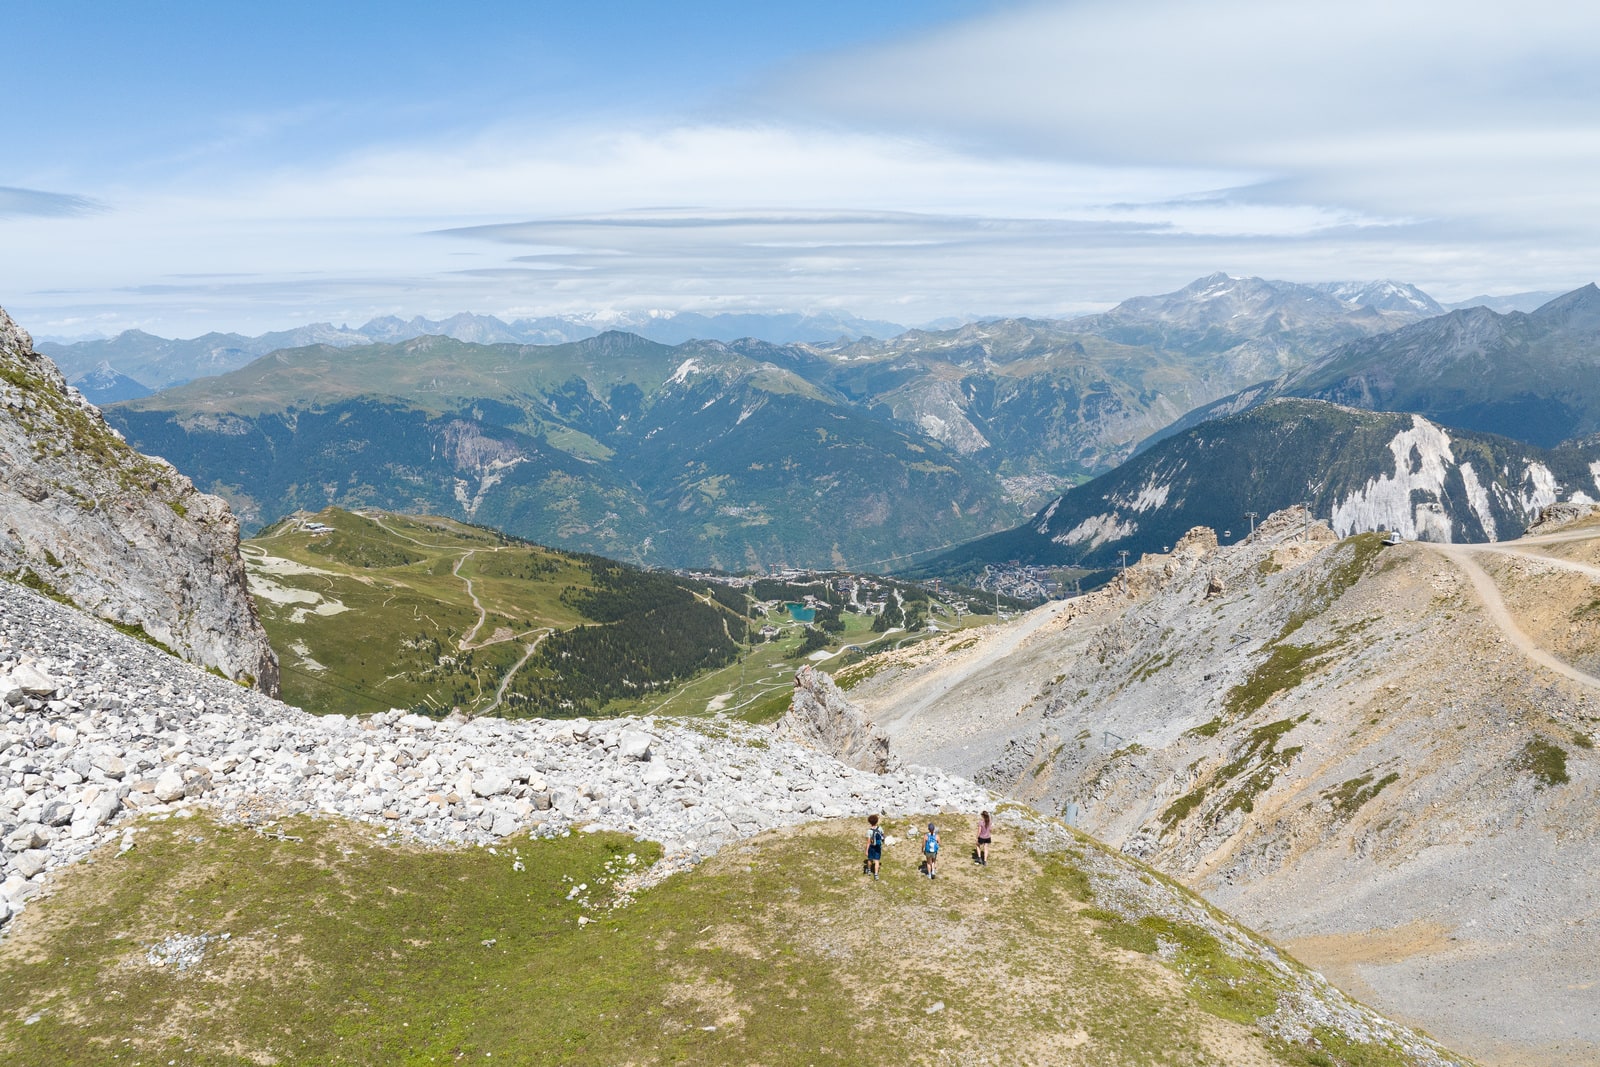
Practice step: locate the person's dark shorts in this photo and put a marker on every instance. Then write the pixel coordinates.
(875, 853)
(983, 840)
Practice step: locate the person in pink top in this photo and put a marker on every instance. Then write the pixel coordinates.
(985, 833)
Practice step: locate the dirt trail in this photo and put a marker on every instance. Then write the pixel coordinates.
(467, 642)
(1495, 606)
(1507, 549)
(499, 694)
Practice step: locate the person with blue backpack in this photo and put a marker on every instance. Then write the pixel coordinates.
(930, 852)
(874, 846)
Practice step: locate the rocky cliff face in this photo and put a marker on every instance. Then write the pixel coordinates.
(88, 520)
(820, 718)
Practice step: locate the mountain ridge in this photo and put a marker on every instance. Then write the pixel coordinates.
(1363, 470)
(1534, 376)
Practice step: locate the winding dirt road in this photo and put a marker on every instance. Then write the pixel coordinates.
(528, 651)
(1495, 605)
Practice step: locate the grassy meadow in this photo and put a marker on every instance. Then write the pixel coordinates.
(326, 942)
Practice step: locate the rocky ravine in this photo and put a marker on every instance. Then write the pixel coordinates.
(1336, 741)
(97, 729)
(121, 535)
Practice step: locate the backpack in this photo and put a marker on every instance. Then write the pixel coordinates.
(931, 845)
(877, 837)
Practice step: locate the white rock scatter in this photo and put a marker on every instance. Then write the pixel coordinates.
(96, 728)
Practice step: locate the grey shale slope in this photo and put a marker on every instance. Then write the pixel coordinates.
(1380, 755)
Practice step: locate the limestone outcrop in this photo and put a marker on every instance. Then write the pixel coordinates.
(86, 519)
(1560, 515)
(822, 718)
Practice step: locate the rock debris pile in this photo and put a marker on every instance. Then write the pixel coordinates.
(96, 727)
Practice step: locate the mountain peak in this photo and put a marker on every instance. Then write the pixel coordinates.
(1581, 307)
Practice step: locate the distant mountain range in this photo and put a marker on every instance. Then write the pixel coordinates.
(1531, 376)
(736, 454)
(1071, 398)
(157, 362)
(1507, 302)
(1361, 470)
(701, 455)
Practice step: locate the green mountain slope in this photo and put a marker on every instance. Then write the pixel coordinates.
(372, 611)
(696, 456)
(378, 611)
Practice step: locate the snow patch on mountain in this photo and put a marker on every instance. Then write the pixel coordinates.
(1097, 530)
(1421, 458)
(1044, 522)
(1151, 496)
(1478, 500)
(1541, 491)
(1594, 470)
(686, 368)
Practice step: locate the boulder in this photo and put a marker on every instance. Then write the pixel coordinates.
(56, 813)
(31, 862)
(32, 681)
(169, 786)
(634, 745)
(821, 718)
(16, 889)
(29, 835)
(491, 784)
(109, 765)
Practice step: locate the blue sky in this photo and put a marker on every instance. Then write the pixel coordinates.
(182, 167)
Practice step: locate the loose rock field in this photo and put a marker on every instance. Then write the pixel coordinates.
(96, 727)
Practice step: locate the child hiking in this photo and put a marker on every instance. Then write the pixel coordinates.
(985, 833)
(930, 852)
(874, 846)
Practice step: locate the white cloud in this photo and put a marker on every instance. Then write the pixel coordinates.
(17, 202)
(781, 216)
(1043, 159)
(1225, 82)
(1474, 112)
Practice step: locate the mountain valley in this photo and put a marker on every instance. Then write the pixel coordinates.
(371, 611)
(1379, 753)
(713, 454)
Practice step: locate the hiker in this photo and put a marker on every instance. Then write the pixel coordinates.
(874, 846)
(930, 852)
(985, 832)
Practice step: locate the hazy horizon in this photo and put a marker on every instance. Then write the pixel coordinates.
(202, 167)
